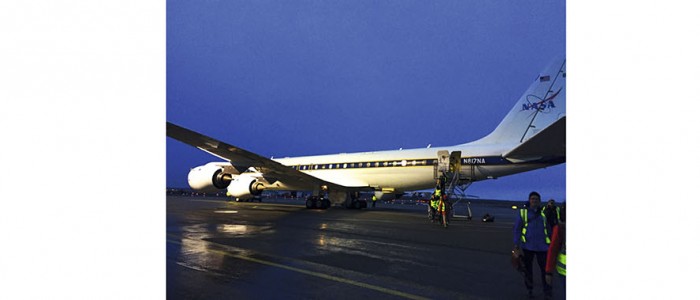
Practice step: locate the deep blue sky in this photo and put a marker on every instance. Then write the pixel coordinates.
(291, 78)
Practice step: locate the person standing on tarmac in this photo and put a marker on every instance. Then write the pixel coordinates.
(552, 212)
(531, 234)
(374, 200)
(442, 209)
(434, 202)
(556, 255)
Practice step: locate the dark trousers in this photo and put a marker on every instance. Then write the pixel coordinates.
(541, 262)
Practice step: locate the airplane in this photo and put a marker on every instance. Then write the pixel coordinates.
(531, 136)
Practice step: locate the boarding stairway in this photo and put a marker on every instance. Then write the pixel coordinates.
(448, 171)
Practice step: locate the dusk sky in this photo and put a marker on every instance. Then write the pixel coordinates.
(283, 78)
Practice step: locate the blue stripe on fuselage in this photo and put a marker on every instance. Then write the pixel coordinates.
(485, 160)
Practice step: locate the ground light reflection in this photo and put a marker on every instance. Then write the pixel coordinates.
(241, 229)
(199, 253)
(196, 254)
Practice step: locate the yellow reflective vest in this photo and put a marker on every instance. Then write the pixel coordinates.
(523, 215)
(561, 260)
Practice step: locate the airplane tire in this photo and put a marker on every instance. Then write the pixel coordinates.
(309, 203)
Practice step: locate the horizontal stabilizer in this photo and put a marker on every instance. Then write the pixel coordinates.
(549, 142)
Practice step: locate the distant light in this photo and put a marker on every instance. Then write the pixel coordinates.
(226, 211)
(514, 207)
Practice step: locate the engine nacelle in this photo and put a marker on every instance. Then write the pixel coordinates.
(245, 187)
(209, 178)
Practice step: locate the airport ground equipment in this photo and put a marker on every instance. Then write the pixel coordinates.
(455, 178)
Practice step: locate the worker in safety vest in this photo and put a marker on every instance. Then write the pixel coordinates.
(442, 209)
(552, 211)
(434, 202)
(531, 236)
(556, 256)
(374, 200)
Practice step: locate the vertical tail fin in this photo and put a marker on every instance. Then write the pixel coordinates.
(540, 106)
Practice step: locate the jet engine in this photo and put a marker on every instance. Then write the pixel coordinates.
(209, 178)
(245, 187)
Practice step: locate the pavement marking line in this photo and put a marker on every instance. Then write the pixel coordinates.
(316, 274)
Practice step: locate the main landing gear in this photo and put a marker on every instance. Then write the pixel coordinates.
(356, 204)
(354, 201)
(317, 202)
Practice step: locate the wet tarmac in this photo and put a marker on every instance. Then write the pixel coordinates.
(227, 250)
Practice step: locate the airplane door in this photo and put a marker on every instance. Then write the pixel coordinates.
(443, 161)
(455, 161)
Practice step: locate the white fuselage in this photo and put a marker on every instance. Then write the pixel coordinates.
(403, 170)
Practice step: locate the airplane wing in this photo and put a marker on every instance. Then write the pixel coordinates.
(242, 159)
(550, 142)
